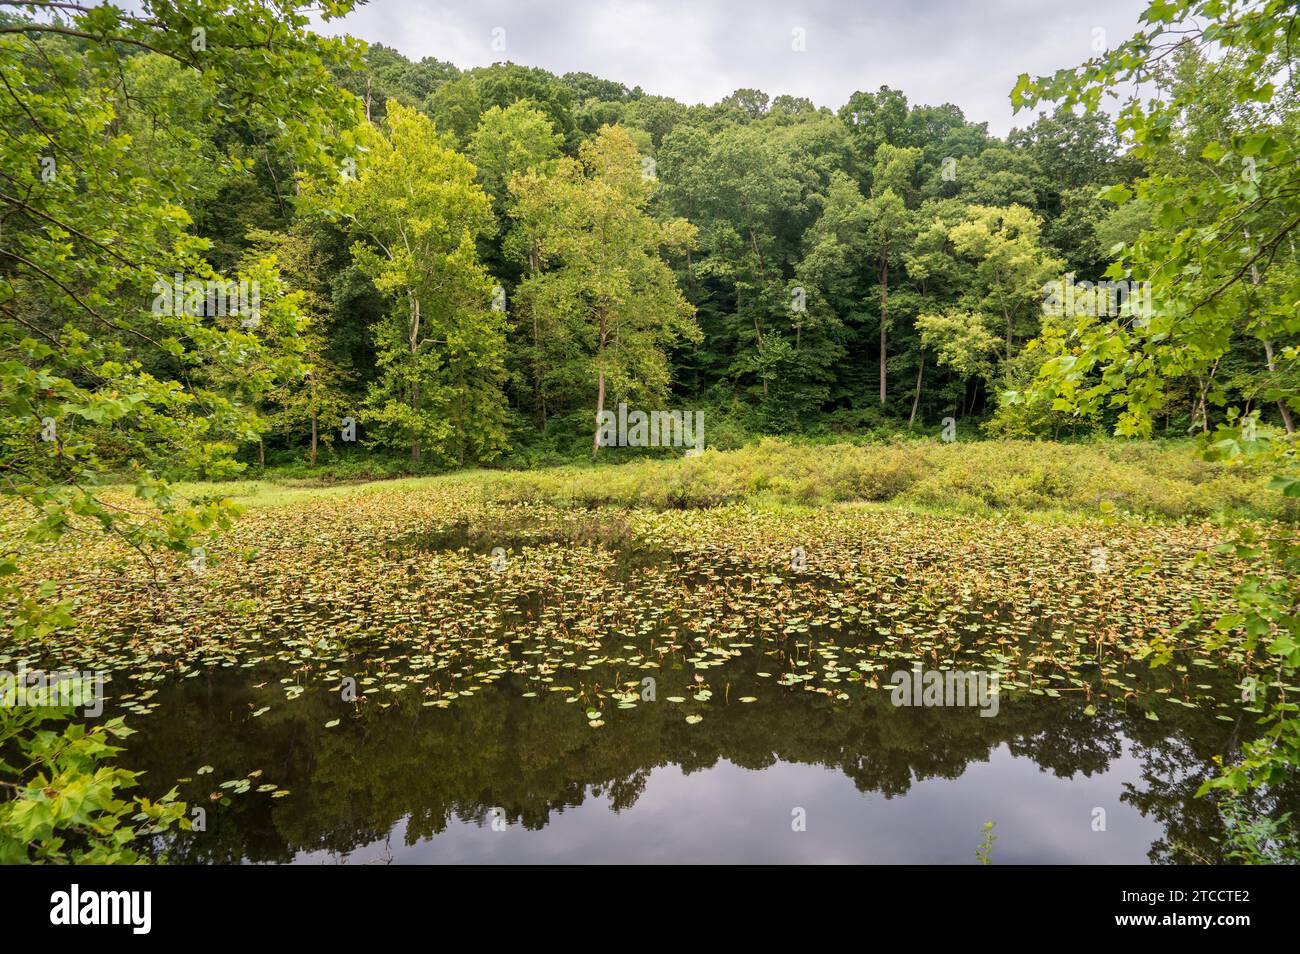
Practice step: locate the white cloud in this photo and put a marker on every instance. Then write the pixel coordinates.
(697, 51)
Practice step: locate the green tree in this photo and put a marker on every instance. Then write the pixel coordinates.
(874, 120)
(1218, 255)
(890, 232)
(1011, 268)
(93, 375)
(601, 282)
(417, 213)
(320, 392)
(458, 106)
(508, 141)
(835, 273)
(753, 187)
(960, 341)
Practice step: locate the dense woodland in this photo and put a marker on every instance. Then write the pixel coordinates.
(874, 266)
(819, 260)
(505, 248)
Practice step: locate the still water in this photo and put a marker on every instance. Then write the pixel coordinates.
(730, 814)
(502, 778)
(500, 712)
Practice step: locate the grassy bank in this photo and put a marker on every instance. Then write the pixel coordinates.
(1154, 479)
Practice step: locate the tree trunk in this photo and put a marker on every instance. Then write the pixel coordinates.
(600, 408)
(1268, 353)
(1281, 405)
(762, 271)
(539, 402)
(539, 396)
(916, 401)
(313, 437)
(1204, 385)
(884, 317)
(460, 432)
(762, 265)
(261, 452)
(413, 343)
(600, 387)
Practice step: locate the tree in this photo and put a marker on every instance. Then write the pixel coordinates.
(1220, 235)
(93, 375)
(874, 120)
(458, 106)
(509, 141)
(1011, 267)
(940, 278)
(835, 272)
(960, 341)
(601, 282)
(417, 213)
(753, 187)
(320, 391)
(387, 74)
(890, 231)
(999, 176)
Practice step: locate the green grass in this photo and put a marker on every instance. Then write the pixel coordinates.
(1151, 479)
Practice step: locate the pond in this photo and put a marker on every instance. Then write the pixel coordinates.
(507, 778)
(422, 678)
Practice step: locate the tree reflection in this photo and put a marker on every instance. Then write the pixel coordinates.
(351, 785)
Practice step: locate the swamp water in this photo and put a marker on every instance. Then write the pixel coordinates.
(526, 684)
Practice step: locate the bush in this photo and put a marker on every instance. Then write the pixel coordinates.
(65, 805)
(1149, 478)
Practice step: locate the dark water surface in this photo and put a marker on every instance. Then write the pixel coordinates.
(503, 778)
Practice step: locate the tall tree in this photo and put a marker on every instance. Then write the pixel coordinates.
(301, 403)
(602, 281)
(1217, 235)
(417, 213)
(97, 368)
(1011, 268)
(891, 230)
(518, 138)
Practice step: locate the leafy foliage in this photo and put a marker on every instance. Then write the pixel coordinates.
(1223, 202)
(467, 263)
(100, 369)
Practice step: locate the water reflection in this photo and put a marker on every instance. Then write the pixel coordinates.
(409, 783)
(730, 814)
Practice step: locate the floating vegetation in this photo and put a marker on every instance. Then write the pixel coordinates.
(324, 594)
(346, 605)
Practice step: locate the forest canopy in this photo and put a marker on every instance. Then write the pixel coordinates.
(784, 267)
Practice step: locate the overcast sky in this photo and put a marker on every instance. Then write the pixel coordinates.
(967, 52)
